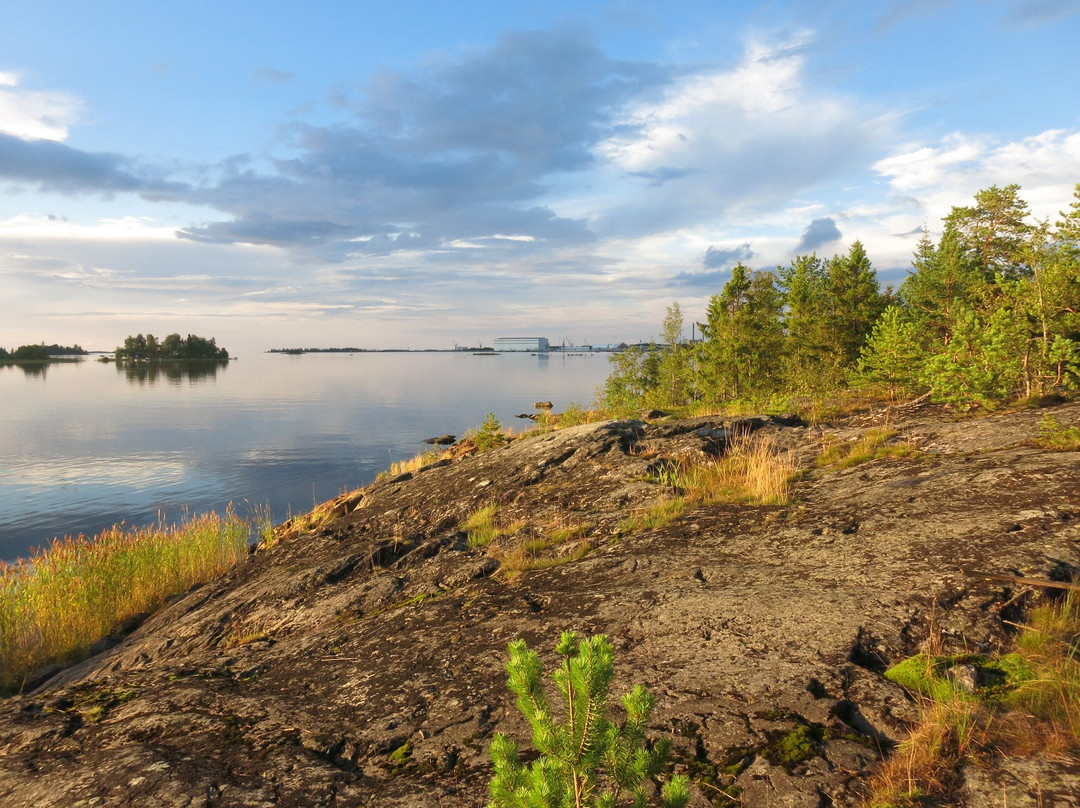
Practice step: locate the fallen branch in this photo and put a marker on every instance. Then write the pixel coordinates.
(1016, 579)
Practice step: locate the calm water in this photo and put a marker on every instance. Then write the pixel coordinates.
(85, 445)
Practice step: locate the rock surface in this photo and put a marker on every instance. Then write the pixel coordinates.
(362, 662)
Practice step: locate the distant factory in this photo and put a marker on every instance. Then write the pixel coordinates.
(533, 344)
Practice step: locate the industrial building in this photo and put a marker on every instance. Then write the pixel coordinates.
(521, 344)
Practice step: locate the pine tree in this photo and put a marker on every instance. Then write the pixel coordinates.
(587, 761)
(993, 231)
(742, 340)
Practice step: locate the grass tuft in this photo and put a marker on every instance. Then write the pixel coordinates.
(480, 526)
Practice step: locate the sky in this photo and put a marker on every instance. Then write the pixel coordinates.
(420, 174)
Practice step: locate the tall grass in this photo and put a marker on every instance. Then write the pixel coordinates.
(751, 471)
(60, 601)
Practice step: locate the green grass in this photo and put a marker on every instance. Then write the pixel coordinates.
(57, 603)
(480, 527)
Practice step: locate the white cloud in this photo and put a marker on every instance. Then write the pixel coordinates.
(35, 114)
(934, 178)
(120, 229)
(729, 140)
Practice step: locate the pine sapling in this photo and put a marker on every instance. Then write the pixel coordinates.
(587, 760)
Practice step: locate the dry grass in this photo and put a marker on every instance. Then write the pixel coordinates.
(1040, 716)
(60, 601)
(926, 762)
(561, 546)
(752, 471)
(415, 463)
(1050, 643)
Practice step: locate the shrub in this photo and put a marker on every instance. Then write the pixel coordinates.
(490, 435)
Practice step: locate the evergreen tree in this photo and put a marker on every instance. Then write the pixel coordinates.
(892, 355)
(994, 230)
(856, 302)
(979, 365)
(742, 340)
(809, 358)
(945, 280)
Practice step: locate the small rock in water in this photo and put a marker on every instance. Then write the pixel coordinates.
(442, 440)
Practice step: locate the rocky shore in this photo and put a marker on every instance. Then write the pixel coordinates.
(359, 660)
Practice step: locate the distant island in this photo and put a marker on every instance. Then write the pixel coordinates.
(39, 353)
(148, 348)
(317, 350)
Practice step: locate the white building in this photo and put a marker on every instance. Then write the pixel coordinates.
(521, 344)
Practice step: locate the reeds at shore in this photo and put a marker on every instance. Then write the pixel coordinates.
(60, 601)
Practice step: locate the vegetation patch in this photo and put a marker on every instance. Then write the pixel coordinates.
(93, 701)
(1057, 438)
(60, 601)
(941, 677)
(873, 445)
(401, 756)
(789, 749)
(538, 554)
(1025, 702)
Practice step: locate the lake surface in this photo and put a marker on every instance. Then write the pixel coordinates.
(86, 445)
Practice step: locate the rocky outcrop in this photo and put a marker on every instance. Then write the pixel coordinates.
(362, 662)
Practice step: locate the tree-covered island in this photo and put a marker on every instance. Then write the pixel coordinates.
(39, 353)
(148, 348)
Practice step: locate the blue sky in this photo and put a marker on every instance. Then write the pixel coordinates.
(419, 174)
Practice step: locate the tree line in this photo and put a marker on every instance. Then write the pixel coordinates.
(149, 348)
(988, 312)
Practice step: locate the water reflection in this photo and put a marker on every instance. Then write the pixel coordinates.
(193, 371)
(88, 446)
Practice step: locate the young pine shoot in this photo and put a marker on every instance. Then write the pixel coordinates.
(587, 760)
